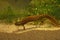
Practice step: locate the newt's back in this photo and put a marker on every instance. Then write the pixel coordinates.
(37, 17)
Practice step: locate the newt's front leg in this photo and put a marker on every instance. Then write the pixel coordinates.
(23, 27)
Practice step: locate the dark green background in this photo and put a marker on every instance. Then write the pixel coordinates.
(11, 10)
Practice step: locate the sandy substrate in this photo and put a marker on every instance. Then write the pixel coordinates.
(32, 35)
(11, 28)
(9, 32)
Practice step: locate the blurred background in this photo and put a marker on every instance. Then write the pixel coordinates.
(11, 10)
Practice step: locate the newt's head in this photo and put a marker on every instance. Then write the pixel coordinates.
(17, 23)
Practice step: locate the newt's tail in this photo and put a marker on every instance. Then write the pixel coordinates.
(52, 19)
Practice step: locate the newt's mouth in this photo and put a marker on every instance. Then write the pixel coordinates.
(17, 24)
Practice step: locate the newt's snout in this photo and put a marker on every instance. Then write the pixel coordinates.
(17, 23)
